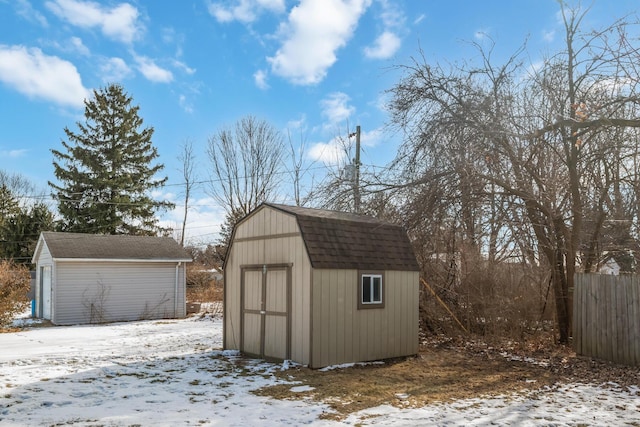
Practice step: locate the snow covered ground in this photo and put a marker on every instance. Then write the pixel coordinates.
(174, 373)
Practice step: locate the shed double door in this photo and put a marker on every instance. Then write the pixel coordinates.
(266, 306)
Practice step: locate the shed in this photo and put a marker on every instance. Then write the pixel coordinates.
(94, 278)
(320, 287)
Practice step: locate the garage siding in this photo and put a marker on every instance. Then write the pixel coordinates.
(111, 291)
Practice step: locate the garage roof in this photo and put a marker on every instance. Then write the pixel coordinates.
(347, 241)
(112, 247)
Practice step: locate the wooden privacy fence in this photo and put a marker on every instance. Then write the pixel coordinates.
(606, 317)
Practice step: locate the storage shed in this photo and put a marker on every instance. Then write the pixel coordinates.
(320, 287)
(90, 278)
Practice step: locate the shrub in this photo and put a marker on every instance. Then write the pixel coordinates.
(201, 287)
(500, 299)
(14, 288)
(197, 277)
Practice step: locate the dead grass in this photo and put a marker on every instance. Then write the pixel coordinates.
(432, 376)
(443, 372)
(211, 291)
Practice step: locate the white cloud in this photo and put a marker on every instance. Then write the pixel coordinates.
(388, 42)
(329, 153)
(385, 46)
(300, 124)
(419, 19)
(315, 30)
(114, 70)
(152, 71)
(203, 222)
(24, 9)
(73, 45)
(118, 23)
(549, 36)
(171, 37)
(168, 35)
(185, 104)
(482, 34)
(336, 108)
(335, 152)
(372, 138)
(220, 13)
(245, 11)
(78, 46)
(13, 154)
(260, 77)
(184, 67)
(392, 16)
(31, 72)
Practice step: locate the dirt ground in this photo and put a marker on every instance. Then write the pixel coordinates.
(447, 370)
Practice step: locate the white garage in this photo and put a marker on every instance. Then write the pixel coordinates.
(89, 278)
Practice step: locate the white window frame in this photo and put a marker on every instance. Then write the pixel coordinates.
(372, 278)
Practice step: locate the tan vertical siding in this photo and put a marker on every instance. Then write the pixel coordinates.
(231, 332)
(256, 242)
(252, 333)
(276, 337)
(277, 291)
(87, 292)
(342, 333)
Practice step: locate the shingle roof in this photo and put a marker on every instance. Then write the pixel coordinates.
(348, 241)
(121, 247)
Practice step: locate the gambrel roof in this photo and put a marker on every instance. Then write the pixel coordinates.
(348, 241)
(76, 246)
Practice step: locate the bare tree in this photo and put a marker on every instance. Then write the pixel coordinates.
(299, 171)
(349, 185)
(335, 191)
(246, 167)
(16, 183)
(188, 161)
(515, 146)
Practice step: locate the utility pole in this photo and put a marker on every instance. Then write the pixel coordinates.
(356, 187)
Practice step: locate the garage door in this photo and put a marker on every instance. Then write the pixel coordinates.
(266, 310)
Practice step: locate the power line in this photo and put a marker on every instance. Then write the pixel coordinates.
(211, 181)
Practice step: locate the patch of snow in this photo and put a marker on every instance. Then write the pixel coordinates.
(24, 319)
(349, 365)
(529, 360)
(175, 373)
(26, 322)
(302, 389)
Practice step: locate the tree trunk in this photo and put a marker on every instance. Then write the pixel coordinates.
(561, 294)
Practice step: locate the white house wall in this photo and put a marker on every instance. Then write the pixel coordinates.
(94, 292)
(270, 237)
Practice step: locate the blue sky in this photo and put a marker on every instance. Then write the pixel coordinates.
(309, 67)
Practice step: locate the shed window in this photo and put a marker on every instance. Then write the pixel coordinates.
(371, 289)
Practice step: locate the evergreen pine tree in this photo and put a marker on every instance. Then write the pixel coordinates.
(106, 174)
(21, 232)
(20, 225)
(9, 205)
